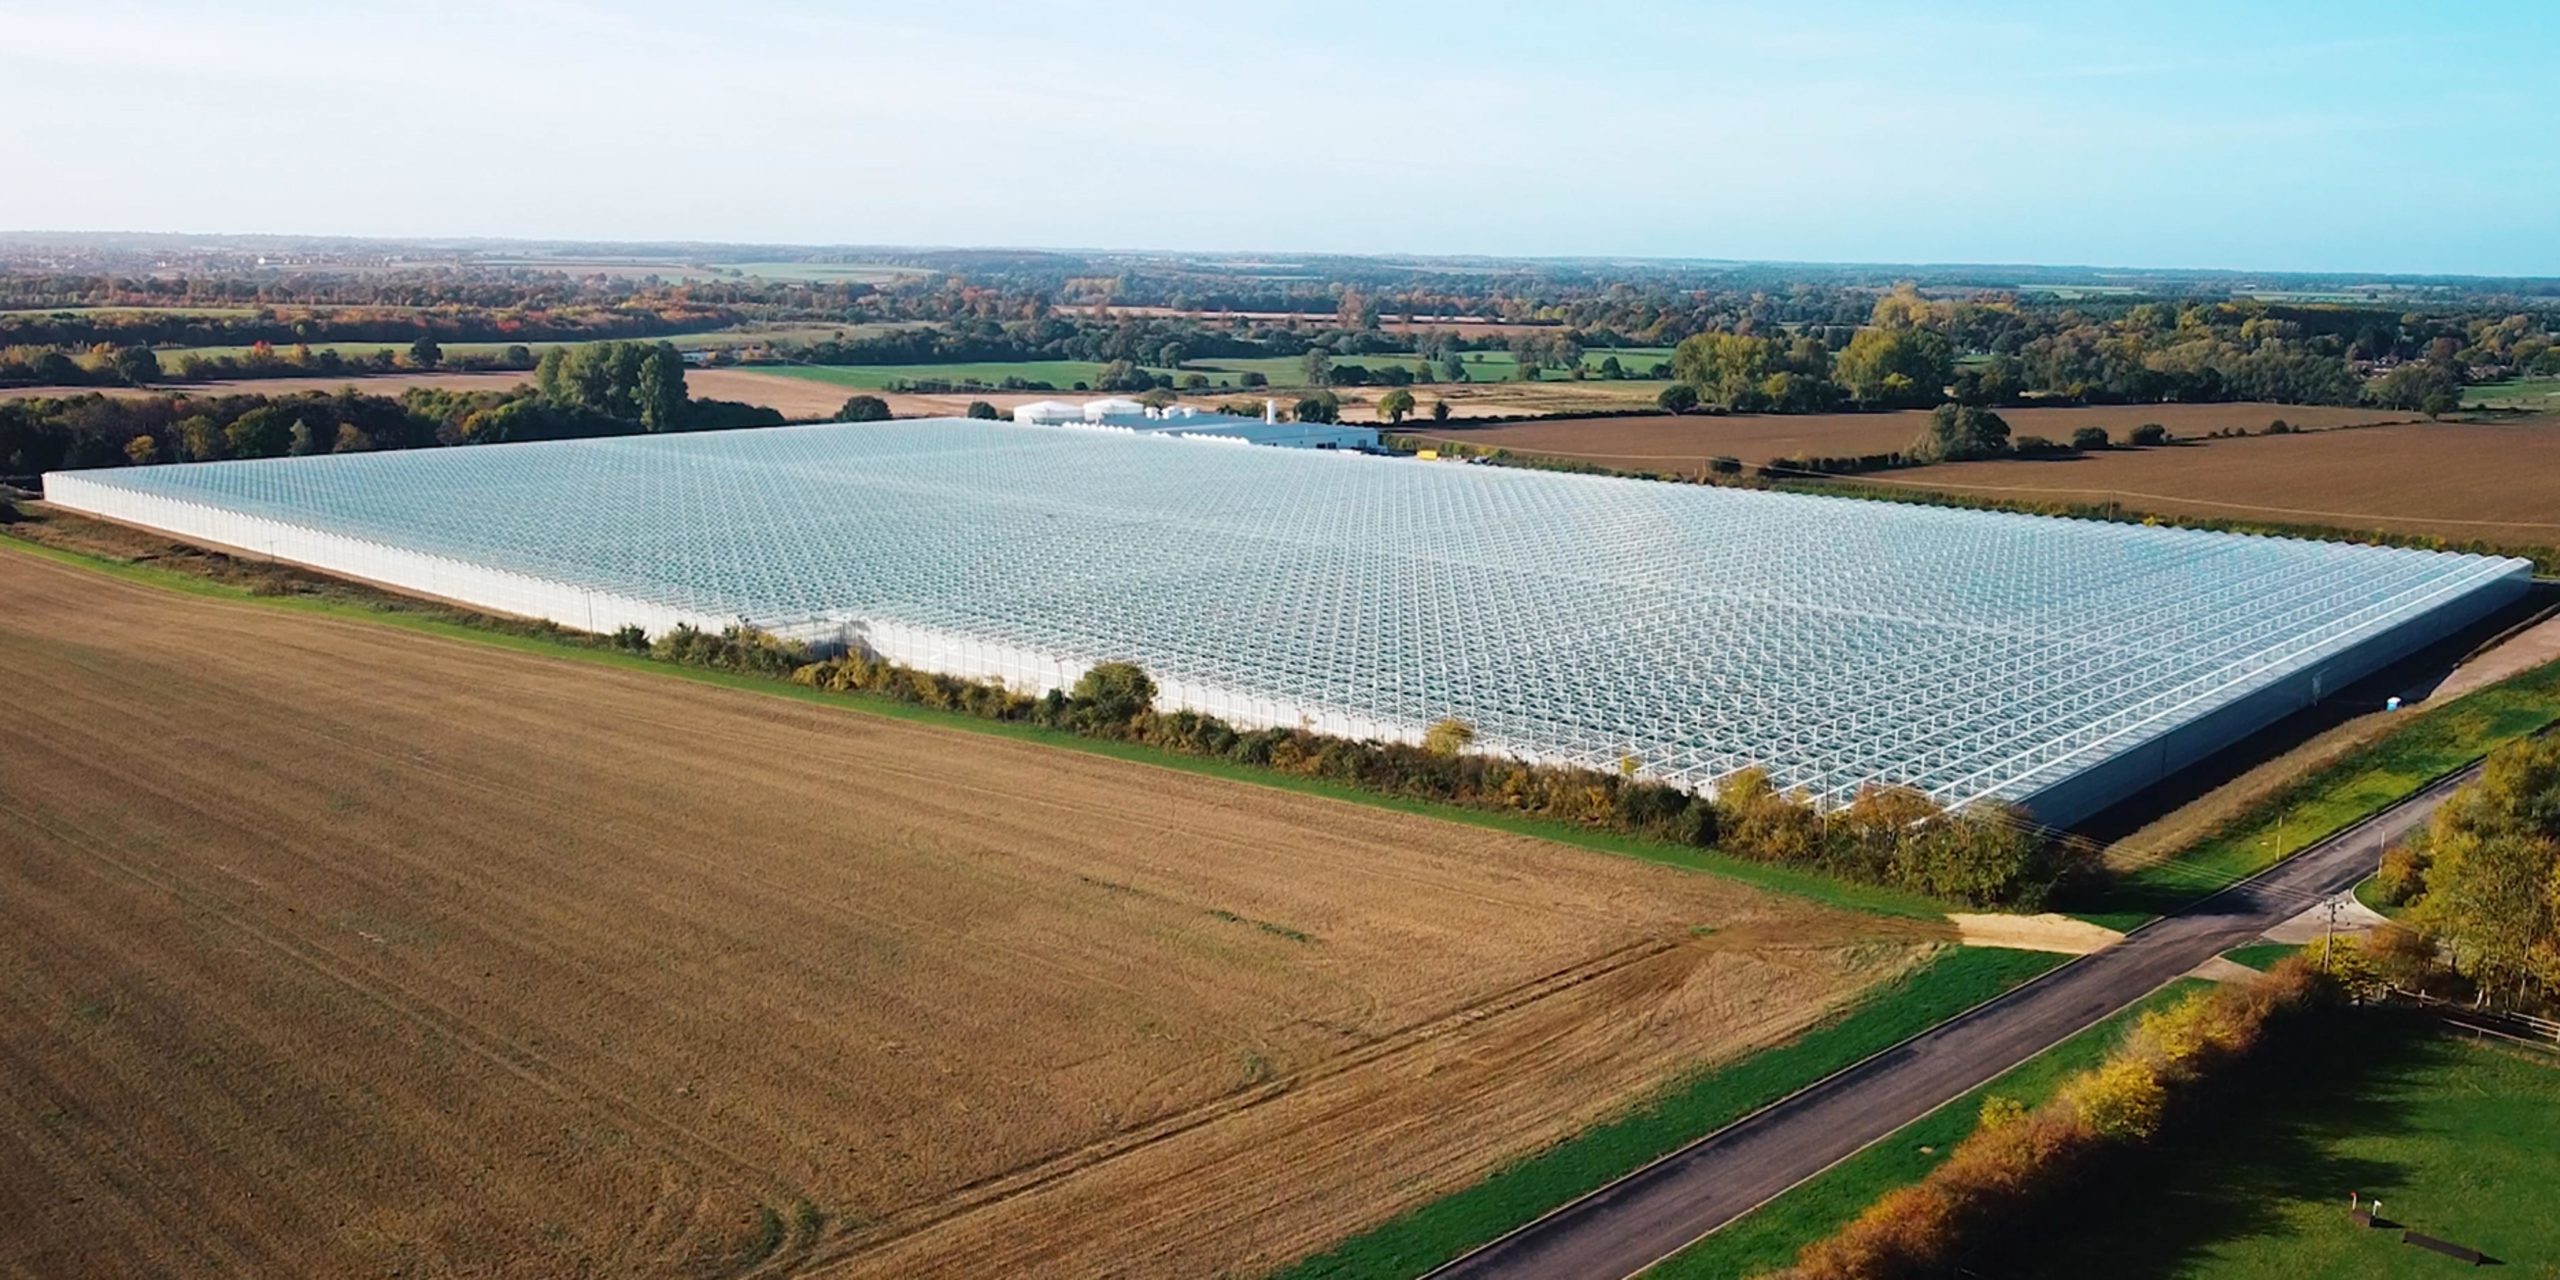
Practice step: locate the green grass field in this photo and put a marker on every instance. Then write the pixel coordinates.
(2435, 740)
(2260, 956)
(1482, 366)
(821, 272)
(1957, 980)
(2514, 393)
(2370, 895)
(2457, 1138)
(1286, 372)
(1061, 374)
(1770, 1236)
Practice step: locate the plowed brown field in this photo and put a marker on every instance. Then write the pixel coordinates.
(2456, 480)
(1684, 443)
(330, 948)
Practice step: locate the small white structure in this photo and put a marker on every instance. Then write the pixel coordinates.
(1048, 413)
(1106, 409)
(1190, 420)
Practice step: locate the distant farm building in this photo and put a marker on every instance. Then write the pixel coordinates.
(1185, 420)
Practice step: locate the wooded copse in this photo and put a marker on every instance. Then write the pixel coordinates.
(2481, 883)
(1916, 352)
(605, 389)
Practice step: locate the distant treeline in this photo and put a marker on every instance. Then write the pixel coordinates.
(1829, 339)
(608, 389)
(108, 366)
(1905, 351)
(1160, 342)
(286, 327)
(486, 289)
(1916, 351)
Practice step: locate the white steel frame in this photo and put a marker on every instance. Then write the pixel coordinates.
(1569, 618)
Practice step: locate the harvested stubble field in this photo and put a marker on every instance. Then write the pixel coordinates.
(328, 947)
(1665, 442)
(2498, 482)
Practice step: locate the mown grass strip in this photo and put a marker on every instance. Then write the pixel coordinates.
(1423, 1238)
(2369, 894)
(2434, 742)
(1811, 885)
(2260, 956)
(1771, 1236)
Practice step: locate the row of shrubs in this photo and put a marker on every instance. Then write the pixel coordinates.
(2084, 440)
(2020, 1165)
(1984, 854)
(947, 386)
(1845, 465)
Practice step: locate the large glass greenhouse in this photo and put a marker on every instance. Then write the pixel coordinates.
(1688, 629)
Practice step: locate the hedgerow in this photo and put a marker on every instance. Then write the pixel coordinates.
(1985, 853)
(2018, 1164)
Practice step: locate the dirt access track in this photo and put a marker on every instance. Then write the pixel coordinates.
(329, 947)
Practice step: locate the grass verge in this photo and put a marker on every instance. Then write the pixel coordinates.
(1426, 1237)
(2454, 1136)
(2369, 893)
(456, 624)
(2260, 956)
(1771, 1236)
(2434, 742)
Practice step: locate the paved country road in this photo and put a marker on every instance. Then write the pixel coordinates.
(1650, 1214)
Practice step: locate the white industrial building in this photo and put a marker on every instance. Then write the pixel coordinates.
(1187, 420)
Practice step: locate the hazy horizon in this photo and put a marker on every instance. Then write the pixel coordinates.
(2351, 271)
(2354, 138)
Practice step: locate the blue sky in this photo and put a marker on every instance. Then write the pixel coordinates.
(2313, 136)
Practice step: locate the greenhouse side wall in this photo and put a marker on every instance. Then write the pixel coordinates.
(522, 595)
(2091, 790)
(591, 610)
(978, 658)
